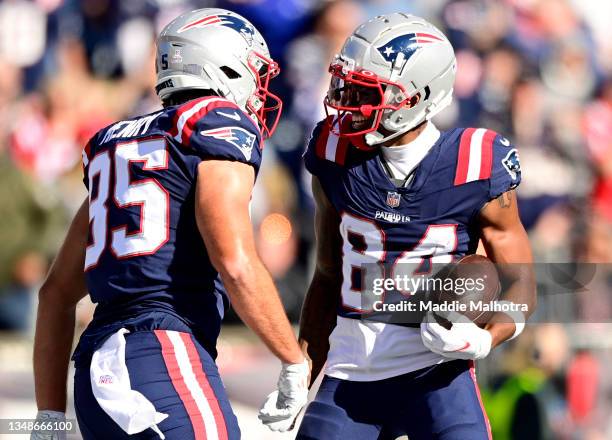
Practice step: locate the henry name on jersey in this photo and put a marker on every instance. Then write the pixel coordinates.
(131, 128)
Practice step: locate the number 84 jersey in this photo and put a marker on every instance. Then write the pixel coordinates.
(431, 220)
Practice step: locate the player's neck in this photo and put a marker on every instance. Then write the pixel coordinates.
(407, 137)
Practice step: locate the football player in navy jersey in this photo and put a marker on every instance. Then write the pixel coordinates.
(163, 244)
(391, 192)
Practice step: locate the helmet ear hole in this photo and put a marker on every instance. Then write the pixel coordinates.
(229, 72)
(414, 100)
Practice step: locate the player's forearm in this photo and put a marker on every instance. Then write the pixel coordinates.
(522, 286)
(255, 299)
(57, 299)
(318, 320)
(521, 292)
(507, 244)
(519, 283)
(52, 347)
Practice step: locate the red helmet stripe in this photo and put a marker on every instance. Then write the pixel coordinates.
(421, 35)
(206, 20)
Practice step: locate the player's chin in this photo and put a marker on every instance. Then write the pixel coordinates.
(359, 123)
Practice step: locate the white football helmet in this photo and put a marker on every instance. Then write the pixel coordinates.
(394, 72)
(216, 49)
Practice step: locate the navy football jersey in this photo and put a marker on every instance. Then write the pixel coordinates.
(431, 220)
(145, 253)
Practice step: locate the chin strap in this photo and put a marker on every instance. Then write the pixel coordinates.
(375, 138)
(429, 112)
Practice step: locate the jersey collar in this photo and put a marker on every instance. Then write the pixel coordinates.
(406, 157)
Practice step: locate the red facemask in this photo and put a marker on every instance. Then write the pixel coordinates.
(265, 105)
(359, 93)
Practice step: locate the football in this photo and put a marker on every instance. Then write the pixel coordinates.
(475, 285)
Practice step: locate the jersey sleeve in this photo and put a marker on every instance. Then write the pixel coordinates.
(217, 129)
(312, 159)
(486, 156)
(505, 167)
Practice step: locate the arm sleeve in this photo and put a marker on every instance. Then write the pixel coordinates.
(311, 160)
(506, 167)
(227, 134)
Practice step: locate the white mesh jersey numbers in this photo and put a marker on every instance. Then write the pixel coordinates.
(98, 212)
(371, 253)
(437, 243)
(149, 194)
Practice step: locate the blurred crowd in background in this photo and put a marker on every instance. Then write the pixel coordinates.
(537, 71)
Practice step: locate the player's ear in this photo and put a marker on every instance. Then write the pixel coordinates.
(414, 100)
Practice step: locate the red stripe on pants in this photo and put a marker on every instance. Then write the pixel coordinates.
(197, 421)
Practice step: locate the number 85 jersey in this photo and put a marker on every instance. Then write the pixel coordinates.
(431, 220)
(145, 253)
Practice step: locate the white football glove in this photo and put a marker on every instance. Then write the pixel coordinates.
(49, 418)
(464, 340)
(281, 408)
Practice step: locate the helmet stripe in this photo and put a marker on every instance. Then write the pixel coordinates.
(421, 36)
(202, 21)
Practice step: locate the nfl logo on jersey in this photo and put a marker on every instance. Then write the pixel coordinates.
(393, 199)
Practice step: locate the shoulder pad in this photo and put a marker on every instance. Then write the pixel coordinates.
(475, 156)
(329, 146)
(188, 115)
(486, 155)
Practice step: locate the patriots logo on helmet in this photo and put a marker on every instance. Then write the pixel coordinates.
(512, 164)
(245, 29)
(238, 137)
(406, 44)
